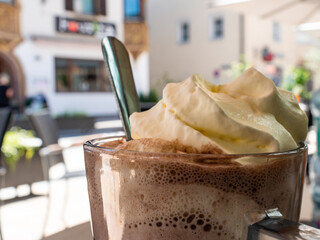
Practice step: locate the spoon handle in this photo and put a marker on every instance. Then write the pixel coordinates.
(119, 69)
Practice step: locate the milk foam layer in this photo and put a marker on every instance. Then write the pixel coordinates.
(248, 115)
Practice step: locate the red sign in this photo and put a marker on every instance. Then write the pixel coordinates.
(73, 26)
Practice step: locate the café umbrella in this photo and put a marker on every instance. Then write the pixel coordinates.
(295, 12)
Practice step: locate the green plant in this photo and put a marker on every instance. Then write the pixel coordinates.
(297, 80)
(14, 146)
(159, 83)
(152, 96)
(71, 114)
(237, 68)
(311, 60)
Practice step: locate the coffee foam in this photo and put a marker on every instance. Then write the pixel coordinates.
(165, 197)
(158, 145)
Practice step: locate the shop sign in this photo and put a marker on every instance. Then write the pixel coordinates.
(84, 27)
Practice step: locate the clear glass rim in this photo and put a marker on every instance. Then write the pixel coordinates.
(93, 143)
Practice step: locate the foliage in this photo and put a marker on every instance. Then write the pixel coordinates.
(297, 81)
(71, 114)
(160, 83)
(237, 68)
(152, 96)
(14, 147)
(312, 61)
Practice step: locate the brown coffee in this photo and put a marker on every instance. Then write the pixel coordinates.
(139, 195)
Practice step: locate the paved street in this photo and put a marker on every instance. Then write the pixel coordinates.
(68, 207)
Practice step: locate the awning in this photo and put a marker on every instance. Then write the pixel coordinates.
(294, 12)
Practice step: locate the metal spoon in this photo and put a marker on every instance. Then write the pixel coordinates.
(119, 69)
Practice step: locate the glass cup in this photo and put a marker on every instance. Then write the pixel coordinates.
(141, 195)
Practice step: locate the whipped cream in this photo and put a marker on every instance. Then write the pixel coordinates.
(248, 115)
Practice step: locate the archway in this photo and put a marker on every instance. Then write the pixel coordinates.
(11, 65)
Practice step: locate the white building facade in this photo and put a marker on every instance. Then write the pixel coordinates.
(188, 36)
(61, 53)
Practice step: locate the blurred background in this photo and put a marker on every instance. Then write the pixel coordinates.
(51, 65)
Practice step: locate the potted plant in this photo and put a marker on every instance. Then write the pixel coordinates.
(297, 82)
(21, 157)
(74, 120)
(147, 101)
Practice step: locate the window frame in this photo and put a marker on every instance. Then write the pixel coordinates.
(70, 65)
(212, 27)
(99, 7)
(276, 32)
(9, 2)
(139, 17)
(179, 32)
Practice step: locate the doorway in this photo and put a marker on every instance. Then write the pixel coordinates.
(10, 64)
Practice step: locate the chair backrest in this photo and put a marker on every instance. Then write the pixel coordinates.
(5, 116)
(45, 127)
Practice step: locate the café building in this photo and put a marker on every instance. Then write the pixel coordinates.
(53, 49)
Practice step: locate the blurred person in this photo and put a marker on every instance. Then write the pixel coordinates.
(6, 92)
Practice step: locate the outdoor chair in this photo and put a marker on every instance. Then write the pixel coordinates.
(51, 152)
(5, 116)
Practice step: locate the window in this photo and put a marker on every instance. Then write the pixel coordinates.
(7, 1)
(183, 32)
(89, 7)
(133, 10)
(216, 28)
(81, 76)
(83, 6)
(276, 32)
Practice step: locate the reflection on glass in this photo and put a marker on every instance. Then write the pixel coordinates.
(83, 6)
(81, 76)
